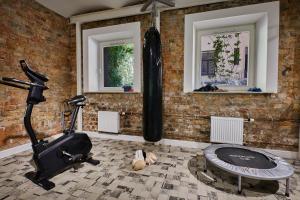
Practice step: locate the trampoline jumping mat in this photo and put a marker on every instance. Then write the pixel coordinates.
(245, 158)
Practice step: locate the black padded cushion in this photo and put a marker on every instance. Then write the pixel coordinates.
(245, 158)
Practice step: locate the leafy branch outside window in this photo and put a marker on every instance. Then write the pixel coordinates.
(226, 56)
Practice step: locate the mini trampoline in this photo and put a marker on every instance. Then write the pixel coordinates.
(248, 162)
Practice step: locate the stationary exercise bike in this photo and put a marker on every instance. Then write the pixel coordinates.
(51, 158)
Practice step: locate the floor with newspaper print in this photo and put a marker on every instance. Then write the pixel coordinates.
(177, 175)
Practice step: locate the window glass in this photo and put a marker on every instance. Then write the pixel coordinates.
(118, 65)
(224, 58)
(207, 63)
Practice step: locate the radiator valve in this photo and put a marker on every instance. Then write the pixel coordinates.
(122, 113)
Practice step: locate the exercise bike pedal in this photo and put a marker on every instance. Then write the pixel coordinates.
(76, 158)
(73, 158)
(44, 183)
(92, 161)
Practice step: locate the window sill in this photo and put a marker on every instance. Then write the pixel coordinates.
(111, 92)
(231, 92)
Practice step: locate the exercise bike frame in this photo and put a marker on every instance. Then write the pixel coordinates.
(27, 117)
(51, 158)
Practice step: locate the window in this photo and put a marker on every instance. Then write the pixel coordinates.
(112, 58)
(222, 56)
(116, 65)
(234, 48)
(208, 65)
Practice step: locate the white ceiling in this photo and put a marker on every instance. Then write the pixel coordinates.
(68, 8)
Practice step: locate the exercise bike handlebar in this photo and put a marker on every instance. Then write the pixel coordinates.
(13, 82)
(13, 85)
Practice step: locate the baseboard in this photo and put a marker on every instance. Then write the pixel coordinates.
(15, 150)
(24, 147)
(114, 136)
(284, 154)
(179, 143)
(182, 143)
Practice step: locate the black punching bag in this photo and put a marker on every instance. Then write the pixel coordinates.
(152, 99)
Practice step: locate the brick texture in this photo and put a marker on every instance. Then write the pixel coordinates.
(32, 32)
(129, 103)
(186, 116)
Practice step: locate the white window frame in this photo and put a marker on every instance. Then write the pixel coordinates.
(265, 16)
(91, 55)
(251, 61)
(102, 45)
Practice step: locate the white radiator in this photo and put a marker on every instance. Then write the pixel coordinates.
(227, 130)
(108, 122)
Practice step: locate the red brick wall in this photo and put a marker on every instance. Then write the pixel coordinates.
(276, 115)
(185, 115)
(32, 32)
(35, 33)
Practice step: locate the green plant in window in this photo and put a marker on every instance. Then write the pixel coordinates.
(121, 65)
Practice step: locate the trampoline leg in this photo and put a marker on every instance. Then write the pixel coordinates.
(205, 165)
(239, 184)
(287, 187)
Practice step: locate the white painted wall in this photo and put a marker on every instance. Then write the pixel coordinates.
(91, 82)
(78, 72)
(261, 55)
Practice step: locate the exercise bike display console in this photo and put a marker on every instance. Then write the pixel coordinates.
(51, 158)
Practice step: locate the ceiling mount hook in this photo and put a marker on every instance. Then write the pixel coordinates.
(154, 11)
(169, 3)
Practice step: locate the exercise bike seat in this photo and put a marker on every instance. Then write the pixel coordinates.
(76, 99)
(30, 72)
